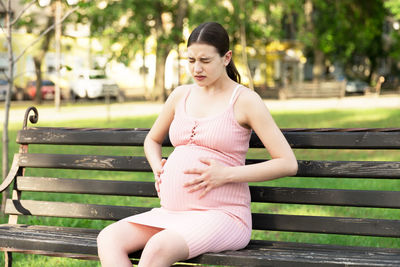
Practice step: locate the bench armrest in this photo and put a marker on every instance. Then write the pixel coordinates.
(11, 174)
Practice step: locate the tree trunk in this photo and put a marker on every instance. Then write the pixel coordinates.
(243, 42)
(165, 42)
(144, 71)
(38, 71)
(38, 59)
(159, 93)
(319, 66)
(7, 102)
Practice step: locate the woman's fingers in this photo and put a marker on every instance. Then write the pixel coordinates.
(205, 191)
(163, 162)
(194, 171)
(157, 185)
(207, 179)
(194, 181)
(197, 186)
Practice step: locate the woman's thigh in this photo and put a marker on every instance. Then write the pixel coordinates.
(126, 235)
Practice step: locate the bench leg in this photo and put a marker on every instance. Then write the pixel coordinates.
(7, 259)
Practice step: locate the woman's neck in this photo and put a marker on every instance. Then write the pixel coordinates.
(221, 85)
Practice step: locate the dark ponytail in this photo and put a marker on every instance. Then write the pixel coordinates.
(232, 71)
(212, 33)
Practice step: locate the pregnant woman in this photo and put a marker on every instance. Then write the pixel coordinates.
(203, 186)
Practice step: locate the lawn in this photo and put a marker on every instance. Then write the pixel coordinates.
(352, 118)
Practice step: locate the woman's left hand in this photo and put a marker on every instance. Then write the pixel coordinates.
(210, 177)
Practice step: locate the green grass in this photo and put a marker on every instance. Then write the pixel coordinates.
(353, 118)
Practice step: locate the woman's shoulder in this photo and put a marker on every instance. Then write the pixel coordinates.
(248, 96)
(178, 93)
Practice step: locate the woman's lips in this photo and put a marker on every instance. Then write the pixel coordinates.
(199, 77)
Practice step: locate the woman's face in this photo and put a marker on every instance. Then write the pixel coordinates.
(205, 64)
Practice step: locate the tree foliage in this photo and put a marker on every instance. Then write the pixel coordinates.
(129, 23)
(394, 7)
(348, 32)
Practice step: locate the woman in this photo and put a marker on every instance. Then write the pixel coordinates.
(205, 199)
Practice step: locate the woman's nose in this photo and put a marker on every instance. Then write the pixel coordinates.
(197, 67)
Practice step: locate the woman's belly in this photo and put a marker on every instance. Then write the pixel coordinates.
(233, 197)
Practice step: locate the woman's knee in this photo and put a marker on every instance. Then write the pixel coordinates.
(106, 237)
(165, 246)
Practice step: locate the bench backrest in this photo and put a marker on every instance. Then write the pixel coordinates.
(102, 150)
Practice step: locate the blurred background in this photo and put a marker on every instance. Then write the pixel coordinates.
(135, 49)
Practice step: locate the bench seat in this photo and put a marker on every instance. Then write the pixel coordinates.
(53, 240)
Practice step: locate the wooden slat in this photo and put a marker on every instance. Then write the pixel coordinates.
(288, 254)
(350, 169)
(70, 210)
(363, 139)
(337, 140)
(346, 169)
(83, 136)
(84, 162)
(86, 186)
(272, 222)
(311, 196)
(48, 239)
(343, 169)
(258, 253)
(331, 197)
(344, 140)
(327, 225)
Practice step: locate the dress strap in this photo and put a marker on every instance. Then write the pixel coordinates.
(235, 94)
(181, 106)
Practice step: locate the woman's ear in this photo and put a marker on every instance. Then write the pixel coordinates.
(227, 57)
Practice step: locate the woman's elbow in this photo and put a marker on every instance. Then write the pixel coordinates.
(292, 167)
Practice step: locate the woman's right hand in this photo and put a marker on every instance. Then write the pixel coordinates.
(157, 174)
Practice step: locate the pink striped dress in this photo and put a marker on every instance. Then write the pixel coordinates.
(221, 220)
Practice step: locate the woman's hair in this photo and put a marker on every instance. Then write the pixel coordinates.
(212, 33)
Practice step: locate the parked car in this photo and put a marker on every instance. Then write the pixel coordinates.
(356, 86)
(94, 84)
(48, 89)
(16, 93)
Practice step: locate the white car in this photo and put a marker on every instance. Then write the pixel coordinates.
(94, 84)
(356, 86)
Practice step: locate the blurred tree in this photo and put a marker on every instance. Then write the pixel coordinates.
(394, 7)
(14, 20)
(242, 7)
(249, 29)
(40, 54)
(393, 29)
(40, 21)
(129, 23)
(351, 34)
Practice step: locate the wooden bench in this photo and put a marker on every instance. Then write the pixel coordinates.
(101, 180)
